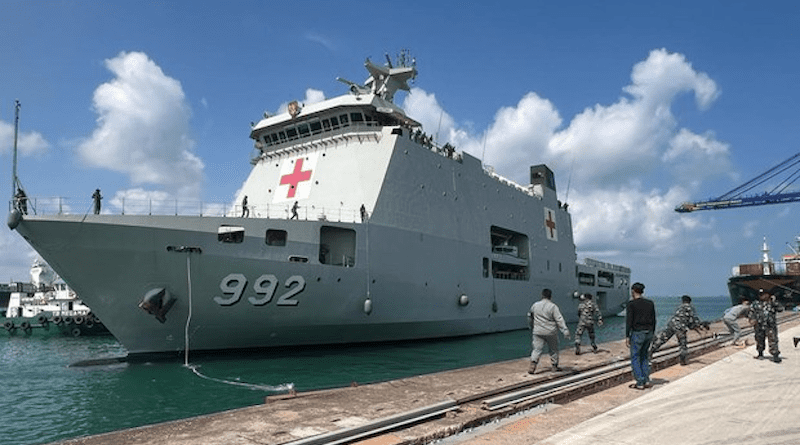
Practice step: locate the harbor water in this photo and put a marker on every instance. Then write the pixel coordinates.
(44, 399)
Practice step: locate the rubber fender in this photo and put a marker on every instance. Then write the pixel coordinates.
(58, 320)
(76, 332)
(9, 325)
(78, 320)
(14, 217)
(25, 325)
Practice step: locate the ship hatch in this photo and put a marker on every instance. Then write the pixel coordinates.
(337, 246)
(509, 254)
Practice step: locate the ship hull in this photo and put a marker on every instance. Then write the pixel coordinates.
(786, 288)
(402, 285)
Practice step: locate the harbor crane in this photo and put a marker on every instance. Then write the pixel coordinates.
(785, 174)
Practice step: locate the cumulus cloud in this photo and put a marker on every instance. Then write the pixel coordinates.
(143, 128)
(621, 160)
(29, 143)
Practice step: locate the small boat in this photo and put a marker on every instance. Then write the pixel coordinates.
(47, 301)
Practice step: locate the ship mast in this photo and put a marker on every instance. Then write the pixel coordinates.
(14, 180)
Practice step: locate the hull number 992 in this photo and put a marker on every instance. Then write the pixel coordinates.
(233, 287)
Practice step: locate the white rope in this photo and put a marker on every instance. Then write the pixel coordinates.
(284, 387)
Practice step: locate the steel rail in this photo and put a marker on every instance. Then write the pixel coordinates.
(520, 396)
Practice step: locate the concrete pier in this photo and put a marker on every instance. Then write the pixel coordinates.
(715, 399)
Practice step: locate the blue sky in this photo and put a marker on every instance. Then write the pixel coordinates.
(636, 107)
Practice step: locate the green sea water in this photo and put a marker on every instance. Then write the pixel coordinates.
(43, 399)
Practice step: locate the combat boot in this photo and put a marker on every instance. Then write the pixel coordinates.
(594, 348)
(760, 356)
(577, 349)
(776, 359)
(532, 368)
(683, 361)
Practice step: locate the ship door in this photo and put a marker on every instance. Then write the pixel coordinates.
(601, 300)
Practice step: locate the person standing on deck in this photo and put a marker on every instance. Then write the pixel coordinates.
(685, 318)
(640, 325)
(545, 320)
(732, 314)
(96, 196)
(245, 209)
(587, 311)
(765, 324)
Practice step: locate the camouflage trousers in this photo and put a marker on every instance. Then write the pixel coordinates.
(589, 328)
(666, 334)
(770, 333)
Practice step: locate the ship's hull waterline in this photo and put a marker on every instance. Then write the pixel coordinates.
(398, 298)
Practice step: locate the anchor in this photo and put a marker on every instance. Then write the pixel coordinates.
(157, 302)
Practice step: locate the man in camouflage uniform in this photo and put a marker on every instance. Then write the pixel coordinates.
(586, 314)
(763, 315)
(685, 318)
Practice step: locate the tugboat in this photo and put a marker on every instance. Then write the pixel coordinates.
(780, 278)
(47, 301)
(354, 226)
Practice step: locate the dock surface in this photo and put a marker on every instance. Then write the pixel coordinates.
(722, 396)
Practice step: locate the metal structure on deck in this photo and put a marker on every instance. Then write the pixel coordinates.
(779, 178)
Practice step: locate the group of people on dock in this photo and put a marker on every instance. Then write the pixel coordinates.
(545, 320)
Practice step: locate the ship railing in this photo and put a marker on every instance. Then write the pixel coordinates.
(489, 170)
(175, 207)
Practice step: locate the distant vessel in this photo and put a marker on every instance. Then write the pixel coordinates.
(354, 226)
(48, 300)
(780, 278)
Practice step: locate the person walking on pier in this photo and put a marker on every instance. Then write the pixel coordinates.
(685, 318)
(765, 324)
(587, 311)
(640, 324)
(732, 314)
(545, 320)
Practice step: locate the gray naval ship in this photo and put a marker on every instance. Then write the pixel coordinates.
(353, 226)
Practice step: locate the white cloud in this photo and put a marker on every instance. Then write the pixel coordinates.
(29, 143)
(320, 39)
(621, 160)
(143, 128)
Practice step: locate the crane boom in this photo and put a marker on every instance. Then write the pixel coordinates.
(785, 174)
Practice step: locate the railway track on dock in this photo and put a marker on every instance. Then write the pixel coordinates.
(488, 406)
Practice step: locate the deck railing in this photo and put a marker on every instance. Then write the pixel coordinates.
(68, 206)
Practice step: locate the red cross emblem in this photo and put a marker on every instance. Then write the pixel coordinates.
(550, 223)
(295, 177)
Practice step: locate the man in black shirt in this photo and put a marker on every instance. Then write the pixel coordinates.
(639, 330)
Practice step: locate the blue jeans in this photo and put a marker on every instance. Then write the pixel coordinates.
(640, 362)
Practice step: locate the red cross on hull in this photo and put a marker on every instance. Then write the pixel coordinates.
(296, 177)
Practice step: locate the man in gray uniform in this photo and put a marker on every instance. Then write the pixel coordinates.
(587, 311)
(732, 314)
(546, 320)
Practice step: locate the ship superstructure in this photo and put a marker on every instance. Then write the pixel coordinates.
(353, 226)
